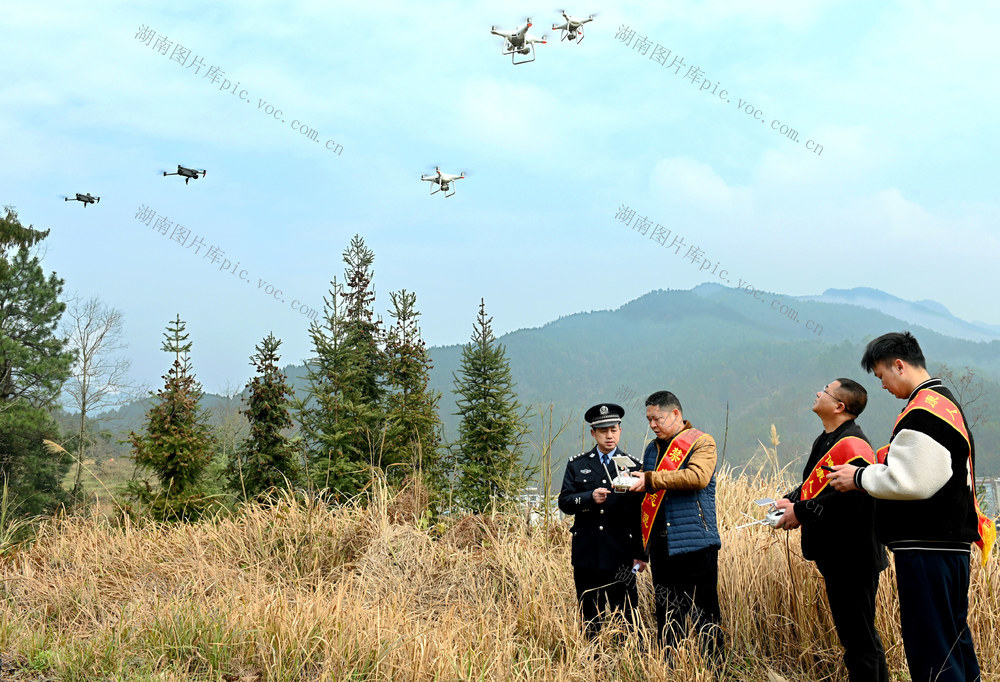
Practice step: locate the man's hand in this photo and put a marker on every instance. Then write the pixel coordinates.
(640, 485)
(640, 563)
(600, 494)
(842, 477)
(788, 520)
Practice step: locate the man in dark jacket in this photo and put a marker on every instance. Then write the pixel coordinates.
(838, 530)
(607, 543)
(925, 511)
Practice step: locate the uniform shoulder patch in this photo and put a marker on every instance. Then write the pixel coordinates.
(576, 457)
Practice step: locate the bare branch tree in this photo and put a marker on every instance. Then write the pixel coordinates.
(231, 427)
(969, 389)
(99, 376)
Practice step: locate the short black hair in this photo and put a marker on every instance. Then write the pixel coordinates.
(664, 400)
(890, 347)
(855, 396)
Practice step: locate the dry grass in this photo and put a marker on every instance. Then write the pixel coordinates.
(301, 591)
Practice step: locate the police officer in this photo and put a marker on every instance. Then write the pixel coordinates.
(607, 540)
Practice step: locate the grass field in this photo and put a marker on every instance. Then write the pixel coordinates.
(302, 591)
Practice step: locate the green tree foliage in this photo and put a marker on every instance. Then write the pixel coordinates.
(177, 444)
(412, 424)
(492, 429)
(14, 235)
(34, 363)
(267, 458)
(343, 416)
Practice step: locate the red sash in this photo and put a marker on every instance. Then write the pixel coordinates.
(673, 458)
(844, 451)
(935, 403)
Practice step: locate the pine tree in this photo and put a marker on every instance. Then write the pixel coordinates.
(267, 458)
(177, 443)
(343, 416)
(412, 423)
(34, 363)
(493, 426)
(15, 235)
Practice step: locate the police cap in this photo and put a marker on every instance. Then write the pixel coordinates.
(603, 415)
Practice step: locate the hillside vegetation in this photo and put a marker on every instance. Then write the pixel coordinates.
(304, 591)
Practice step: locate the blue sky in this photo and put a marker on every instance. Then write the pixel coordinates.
(902, 198)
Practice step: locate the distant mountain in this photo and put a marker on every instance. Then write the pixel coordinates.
(763, 354)
(929, 314)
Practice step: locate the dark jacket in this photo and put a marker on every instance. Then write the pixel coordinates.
(686, 517)
(838, 529)
(606, 536)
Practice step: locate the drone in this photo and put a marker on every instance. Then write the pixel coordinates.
(85, 198)
(519, 42)
(442, 180)
(188, 173)
(572, 27)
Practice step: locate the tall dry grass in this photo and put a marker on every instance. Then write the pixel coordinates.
(303, 591)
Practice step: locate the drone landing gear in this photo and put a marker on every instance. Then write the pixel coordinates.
(509, 50)
(435, 188)
(566, 36)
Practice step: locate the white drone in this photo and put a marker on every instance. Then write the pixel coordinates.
(442, 180)
(572, 27)
(519, 42)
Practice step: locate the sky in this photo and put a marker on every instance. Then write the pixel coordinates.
(888, 180)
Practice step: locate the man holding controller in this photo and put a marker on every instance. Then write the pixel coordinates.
(679, 526)
(607, 541)
(838, 532)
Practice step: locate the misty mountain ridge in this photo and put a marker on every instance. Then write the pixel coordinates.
(926, 313)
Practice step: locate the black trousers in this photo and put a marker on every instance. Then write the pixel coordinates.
(687, 586)
(933, 613)
(852, 602)
(602, 591)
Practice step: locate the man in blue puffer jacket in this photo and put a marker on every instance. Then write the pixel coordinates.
(678, 524)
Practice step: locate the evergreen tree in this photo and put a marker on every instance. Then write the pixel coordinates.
(343, 416)
(34, 363)
(177, 443)
(492, 428)
(412, 424)
(267, 458)
(14, 235)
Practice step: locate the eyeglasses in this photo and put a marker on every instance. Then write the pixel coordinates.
(833, 396)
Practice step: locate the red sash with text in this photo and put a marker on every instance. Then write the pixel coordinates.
(844, 451)
(941, 407)
(673, 458)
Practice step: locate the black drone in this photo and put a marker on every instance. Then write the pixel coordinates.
(85, 198)
(187, 173)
